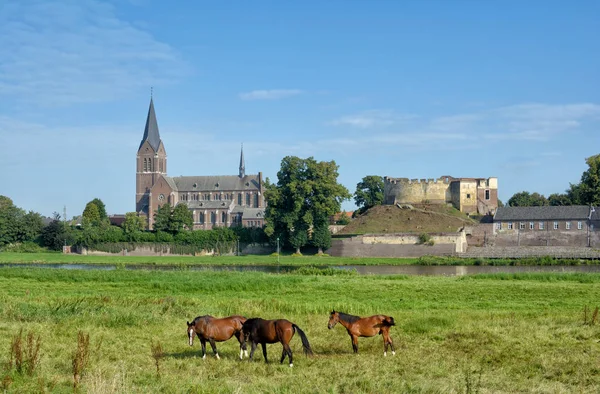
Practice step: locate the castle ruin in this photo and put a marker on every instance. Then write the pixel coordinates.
(469, 195)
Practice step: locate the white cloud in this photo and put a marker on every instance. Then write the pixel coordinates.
(60, 53)
(371, 118)
(273, 94)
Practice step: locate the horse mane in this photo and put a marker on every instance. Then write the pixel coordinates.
(200, 318)
(348, 318)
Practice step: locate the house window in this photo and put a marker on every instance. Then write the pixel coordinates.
(256, 201)
(541, 225)
(510, 225)
(531, 225)
(201, 217)
(568, 225)
(487, 194)
(521, 226)
(579, 225)
(240, 199)
(468, 195)
(213, 217)
(248, 199)
(149, 164)
(556, 225)
(499, 226)
(224, 217)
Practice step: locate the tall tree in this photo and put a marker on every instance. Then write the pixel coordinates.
(321, 237)
(181, 218)
(306, 194)
(91, 215)
(589, 192)
(162, 217)
(369, 192)
(101, 208)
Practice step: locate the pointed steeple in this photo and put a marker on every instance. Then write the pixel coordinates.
(151, 133)
(242, 163)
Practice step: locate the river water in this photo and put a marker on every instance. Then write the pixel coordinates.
(360, 269)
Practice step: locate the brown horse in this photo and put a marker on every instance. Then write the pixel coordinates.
(364, 327)
(207, 328)
(262, 331)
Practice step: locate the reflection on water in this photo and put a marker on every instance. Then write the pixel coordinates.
(458, 270)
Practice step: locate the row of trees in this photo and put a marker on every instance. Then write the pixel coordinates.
(586, 192)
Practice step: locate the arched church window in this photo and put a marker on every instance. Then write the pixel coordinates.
(248, 199)
(240, 199)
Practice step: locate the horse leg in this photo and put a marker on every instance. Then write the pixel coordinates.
(264, 346)
(354, 343)
(252, 349)
(288, 350)
(203, 343)
(242, 345)
(214, 348)
(387, 340)
(283, 354)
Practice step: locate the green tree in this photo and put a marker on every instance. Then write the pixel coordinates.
(369, 192)
(181, 218)
(525, 199)
(91, 215)
(133, 223)
(559, 199)
(343, 219)
(101, 208)
(306, 193)
(589, 187)
(55, 234)
(162, 217)
(321, 237)
(16, 225)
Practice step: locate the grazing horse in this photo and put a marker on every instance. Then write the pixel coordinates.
(364, 327)
(262, 331)
(216, 330)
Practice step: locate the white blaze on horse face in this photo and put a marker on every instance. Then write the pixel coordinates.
(191, 336)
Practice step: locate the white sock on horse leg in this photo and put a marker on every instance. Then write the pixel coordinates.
(217, 354)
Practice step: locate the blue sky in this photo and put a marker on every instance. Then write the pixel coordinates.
(415, 89)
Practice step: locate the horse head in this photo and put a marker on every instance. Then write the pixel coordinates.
(334, 318)
(191, 330)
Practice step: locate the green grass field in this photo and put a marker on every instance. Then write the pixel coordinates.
(486, 334)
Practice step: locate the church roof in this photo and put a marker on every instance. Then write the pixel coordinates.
(151, 133)
(214, 183)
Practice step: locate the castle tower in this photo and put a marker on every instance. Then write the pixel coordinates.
(242, 163)
(151, 162)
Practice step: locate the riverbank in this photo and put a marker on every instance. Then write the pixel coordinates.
(483, 333)
(288, 260)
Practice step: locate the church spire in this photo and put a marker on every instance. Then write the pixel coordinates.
(242, 163)
(151, 133)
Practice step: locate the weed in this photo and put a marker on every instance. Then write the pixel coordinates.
(593, 319)
(81, 357)
(24, 360)
(157, 355)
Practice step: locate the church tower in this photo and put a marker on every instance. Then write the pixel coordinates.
(151, 162)
(242, 172)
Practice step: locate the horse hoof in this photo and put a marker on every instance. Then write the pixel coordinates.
(291, 365)
(384, 354)
(203, 357)
(218, 358)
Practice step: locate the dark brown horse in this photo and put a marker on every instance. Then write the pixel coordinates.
(364, 327)
(262, 331)
(216, 330)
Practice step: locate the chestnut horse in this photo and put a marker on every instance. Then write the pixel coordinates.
(364, 327)
(262, 331)
(216, 330)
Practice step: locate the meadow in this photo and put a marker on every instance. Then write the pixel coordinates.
(485, 333)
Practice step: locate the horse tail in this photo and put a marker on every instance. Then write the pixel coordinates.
(389, 321)
(307, 349)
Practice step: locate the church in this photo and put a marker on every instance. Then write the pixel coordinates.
(215, 201)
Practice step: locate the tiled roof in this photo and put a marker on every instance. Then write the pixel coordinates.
(215, 183)
(253, 213)
(151, 131)
(542, 213)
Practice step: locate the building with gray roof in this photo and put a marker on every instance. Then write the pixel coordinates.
(215, 200)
